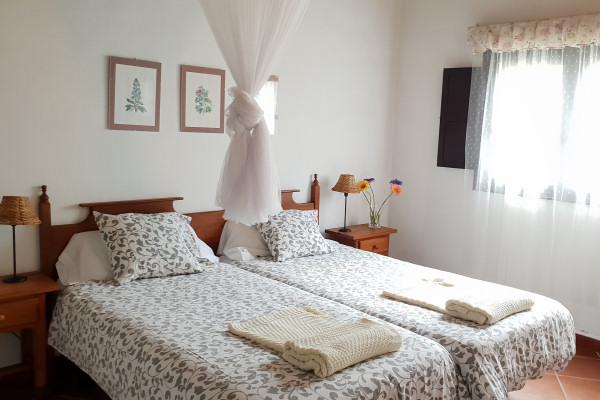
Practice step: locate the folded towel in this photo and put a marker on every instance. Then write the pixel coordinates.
(469, 299)
(316, 342)
(487, 309)
(431, 294)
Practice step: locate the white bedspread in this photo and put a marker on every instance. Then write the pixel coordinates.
(492, 359)
(167, 338)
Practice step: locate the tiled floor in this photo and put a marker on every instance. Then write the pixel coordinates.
(580, 381)
(66, 382)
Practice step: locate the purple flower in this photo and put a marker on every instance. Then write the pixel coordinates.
(369, 180)
(395, 182)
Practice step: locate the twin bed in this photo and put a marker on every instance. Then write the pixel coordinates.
(492, 359)
(167, 337)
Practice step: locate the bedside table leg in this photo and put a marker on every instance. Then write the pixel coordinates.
(39, 359)
(40, 343)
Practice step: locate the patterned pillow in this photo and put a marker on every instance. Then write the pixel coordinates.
(149, 245)
(293, 233)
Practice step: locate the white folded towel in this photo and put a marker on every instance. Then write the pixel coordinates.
(487, 309)
(316, 342)
(469, 299)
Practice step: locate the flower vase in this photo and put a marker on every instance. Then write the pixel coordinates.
(374, 218)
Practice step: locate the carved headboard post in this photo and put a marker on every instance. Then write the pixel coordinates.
(45, 215)
(315, 194)
(288, 202)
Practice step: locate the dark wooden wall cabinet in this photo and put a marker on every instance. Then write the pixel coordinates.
(456, 90)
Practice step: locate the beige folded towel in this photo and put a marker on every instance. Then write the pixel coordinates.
(316, 342)
(470, 299)
(487, 309)
(431, 294)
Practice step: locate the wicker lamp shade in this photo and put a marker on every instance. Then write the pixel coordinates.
(346, 184)
(16, 210)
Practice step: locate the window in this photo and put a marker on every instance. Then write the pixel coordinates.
(267, 100)
(536, 128)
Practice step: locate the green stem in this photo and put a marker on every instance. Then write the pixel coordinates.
(386, 199)
(368, 200)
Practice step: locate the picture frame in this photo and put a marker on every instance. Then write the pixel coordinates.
(134, 94)
(202, 99)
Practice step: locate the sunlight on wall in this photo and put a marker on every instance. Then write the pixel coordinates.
(267, 100)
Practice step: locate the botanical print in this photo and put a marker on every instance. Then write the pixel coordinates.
(134, 94)
(202, 99)
(203, 102)
(135, 101)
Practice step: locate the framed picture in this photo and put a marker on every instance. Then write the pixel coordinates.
(202, 99)
(133, 94)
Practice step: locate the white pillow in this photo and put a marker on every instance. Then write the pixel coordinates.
(149, 245)
(205, 250)
(293, 233)
(85, 258)
(236, 235)
(238, 254)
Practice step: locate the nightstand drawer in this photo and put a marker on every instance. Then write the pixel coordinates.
(375, 240)
(18, 312)
(377, 245)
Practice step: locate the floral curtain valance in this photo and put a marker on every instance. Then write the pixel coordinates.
(581, 30)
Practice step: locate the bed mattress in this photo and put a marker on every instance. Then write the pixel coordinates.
(167, 338)
(492, 359)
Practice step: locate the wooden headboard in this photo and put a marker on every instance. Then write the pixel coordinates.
(207, 224)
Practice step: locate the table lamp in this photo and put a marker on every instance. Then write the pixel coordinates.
(346, 184)
(16, 210)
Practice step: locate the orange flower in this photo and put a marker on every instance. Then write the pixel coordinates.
(363, 185)
(396, 189)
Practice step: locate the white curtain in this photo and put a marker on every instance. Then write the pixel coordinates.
(252, 36)
(533, 128)
(532, 183)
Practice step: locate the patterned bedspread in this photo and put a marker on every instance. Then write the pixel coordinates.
(492, 359)
(166, 338)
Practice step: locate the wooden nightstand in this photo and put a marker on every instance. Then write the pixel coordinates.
(376, 240)
(23, 307)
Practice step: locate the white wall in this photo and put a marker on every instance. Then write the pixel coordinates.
(334, 116)
(359, 93)
(552, 251)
